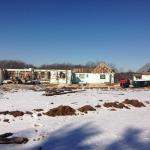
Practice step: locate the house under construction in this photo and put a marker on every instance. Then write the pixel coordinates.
(101, 74)
(44, 76)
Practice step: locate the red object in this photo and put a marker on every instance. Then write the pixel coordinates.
(124, 81)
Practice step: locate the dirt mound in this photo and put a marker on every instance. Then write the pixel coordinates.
(28, 113)
(86, 108)
(38, 110)
(134, 103)
(115, 105)
(17, 113)
(98, 106)
(61, 111)
(112, 109)
(13, 113)
(6, 120)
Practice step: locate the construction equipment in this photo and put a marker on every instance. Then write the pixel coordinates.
(124, 83)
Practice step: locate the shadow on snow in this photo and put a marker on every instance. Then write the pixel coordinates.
(74, 140)
(67, 138)
(130, 141)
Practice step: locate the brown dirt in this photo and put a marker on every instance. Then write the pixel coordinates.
(147, 102)
(134, 103)
(115, 105)
(61, 111)
(28, 113)
(6, 120)
(98, 106)
(13, 113)
(17, 113)
(39, 114)
(38, 110)
(112, 109)
(86, 108)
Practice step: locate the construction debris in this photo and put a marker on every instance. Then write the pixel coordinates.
(52, 92)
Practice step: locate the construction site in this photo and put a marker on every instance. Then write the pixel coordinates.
(101, 74)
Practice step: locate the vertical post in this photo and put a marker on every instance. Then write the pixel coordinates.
(1, 75)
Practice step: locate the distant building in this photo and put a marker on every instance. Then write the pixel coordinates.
(144, 76)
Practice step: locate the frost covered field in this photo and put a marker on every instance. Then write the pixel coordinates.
(103, 129)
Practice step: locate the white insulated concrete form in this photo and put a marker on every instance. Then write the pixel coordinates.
(144, 77)
(94, 78)
(43, 75)
(55, 76)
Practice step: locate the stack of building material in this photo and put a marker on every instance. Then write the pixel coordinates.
(102, 68)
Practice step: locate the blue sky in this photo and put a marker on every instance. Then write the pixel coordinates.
(76, 31)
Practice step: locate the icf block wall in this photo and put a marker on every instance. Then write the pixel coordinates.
(55, 77)
(146, 77)
(94, 78)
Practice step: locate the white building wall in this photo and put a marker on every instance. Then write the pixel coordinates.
(55, 75)
(94, 78)
(56, 79)
(146, 77)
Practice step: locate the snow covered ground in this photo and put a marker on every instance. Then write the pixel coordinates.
(124, 129)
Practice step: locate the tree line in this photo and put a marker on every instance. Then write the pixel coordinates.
(15, 64)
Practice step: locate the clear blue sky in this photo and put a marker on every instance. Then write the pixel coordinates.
(76, 31)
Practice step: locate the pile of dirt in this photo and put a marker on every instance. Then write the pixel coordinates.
(28, 113)
(98, 106)
(38, 110)
(115, 105)
(61, 111)
(86, 108)
(13, 113)
(134, 103)
(6, 120)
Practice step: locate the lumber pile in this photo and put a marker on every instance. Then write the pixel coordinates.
(102, 68)
(53, 92)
